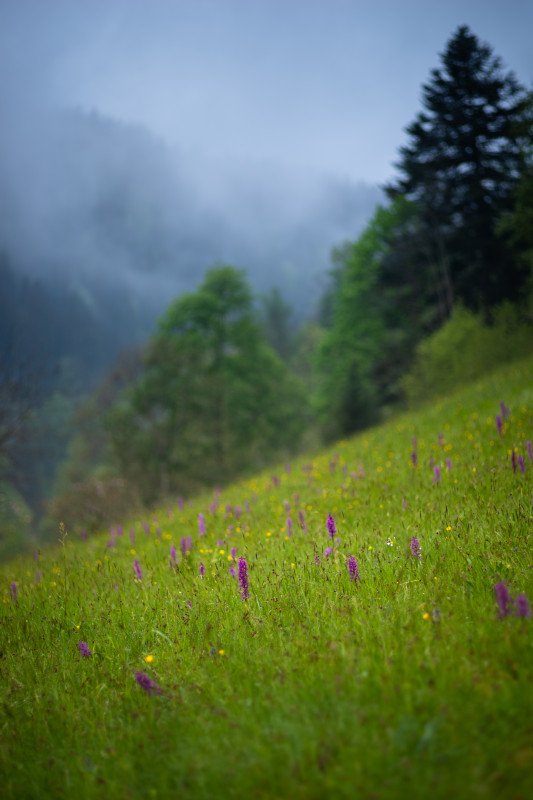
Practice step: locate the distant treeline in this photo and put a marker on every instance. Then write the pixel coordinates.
(436, 289)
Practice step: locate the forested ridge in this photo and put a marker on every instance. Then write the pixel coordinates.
(103, 409)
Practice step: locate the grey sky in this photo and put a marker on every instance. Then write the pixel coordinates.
(324, 85)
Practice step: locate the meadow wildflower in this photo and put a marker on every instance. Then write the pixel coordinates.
(14, 592)
(441, 439)
(232, 571)
(332, 529)
(201, 570)
(415, 547)
(328, 551)
(522, 606)
(436, 471)
(449, 464)
(173, 554)
(505, 411)
(237, 512)
(201, 525)
(353, 569)
(84, 649)
(137, 568)
(503, 599)
(499, 424)
(181, 504)
(289, 526)
(146, 528)
(145, 683)
(414, 458)
(243, 578)
(149, 659)
(301, 519)
(513, 460)
(521, 464)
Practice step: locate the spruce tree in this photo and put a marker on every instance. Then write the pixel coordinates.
(461, 166)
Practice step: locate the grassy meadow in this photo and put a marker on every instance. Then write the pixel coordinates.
(400, 677)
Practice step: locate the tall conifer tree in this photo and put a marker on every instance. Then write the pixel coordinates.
(461, 166)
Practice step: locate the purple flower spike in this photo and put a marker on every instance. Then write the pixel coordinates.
(505, 411)
(173, 554)
(332, 530)
(414, 458)
(233, 553)
(181, 504)
(201, 570)
(441, 439)
(237, 511)
(14, 592)
(499, 424)
(437, 473)
(353, 569)
(415, 547)
(145, 683)
(243, 579)
(201, 525)
(449, 464)
(513, 461)
(84, 649)
(503, 599)
(328, 551)
(530, 451)
(289, 526)
(522, 606)
(232, 571)
(137, 568)
(521, 464)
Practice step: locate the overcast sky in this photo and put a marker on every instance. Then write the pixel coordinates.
(323, 84)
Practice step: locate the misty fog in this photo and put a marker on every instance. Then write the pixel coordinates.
(94, 202)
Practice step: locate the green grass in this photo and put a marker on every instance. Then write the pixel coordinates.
(403, 684)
